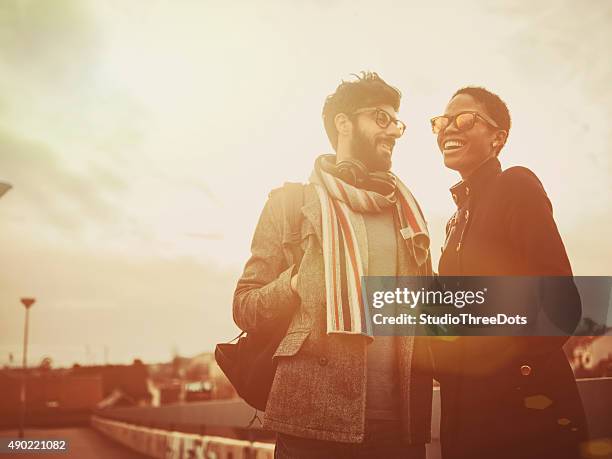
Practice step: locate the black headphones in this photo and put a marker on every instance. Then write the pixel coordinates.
(355, 173)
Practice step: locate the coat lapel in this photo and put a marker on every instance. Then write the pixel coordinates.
(312, 211)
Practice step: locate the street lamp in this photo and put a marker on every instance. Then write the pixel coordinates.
(27, 302)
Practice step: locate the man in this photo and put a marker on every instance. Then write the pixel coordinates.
(338, 391)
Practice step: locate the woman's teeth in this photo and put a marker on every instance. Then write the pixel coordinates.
(453, 144)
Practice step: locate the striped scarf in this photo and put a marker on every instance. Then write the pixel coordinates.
(344, 242)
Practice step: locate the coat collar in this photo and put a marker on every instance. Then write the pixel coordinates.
(462, 191)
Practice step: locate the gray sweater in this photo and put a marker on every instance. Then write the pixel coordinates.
(382, 372)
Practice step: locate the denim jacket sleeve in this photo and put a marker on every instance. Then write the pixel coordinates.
(263, 294)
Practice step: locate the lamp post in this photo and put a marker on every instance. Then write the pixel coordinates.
(27, 302)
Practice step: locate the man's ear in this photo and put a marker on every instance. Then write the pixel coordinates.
(499, 141)
(343, 124)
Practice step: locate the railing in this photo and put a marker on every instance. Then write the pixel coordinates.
(185, 431)
(163, 444)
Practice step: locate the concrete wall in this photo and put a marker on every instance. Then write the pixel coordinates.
(133, 427)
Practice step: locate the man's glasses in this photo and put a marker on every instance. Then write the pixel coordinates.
(383, 119)
(464, 121)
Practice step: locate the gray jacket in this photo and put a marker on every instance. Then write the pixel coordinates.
(319, 390)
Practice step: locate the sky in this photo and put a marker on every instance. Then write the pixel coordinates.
(142, 138)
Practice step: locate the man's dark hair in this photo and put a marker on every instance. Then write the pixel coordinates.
(496, 108)
(367, 90)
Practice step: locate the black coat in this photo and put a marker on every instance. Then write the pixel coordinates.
(513, 397)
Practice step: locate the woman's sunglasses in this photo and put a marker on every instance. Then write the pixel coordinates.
(464, 121)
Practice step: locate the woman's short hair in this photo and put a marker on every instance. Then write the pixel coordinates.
(496, 108)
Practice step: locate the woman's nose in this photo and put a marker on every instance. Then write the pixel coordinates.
(452, 127)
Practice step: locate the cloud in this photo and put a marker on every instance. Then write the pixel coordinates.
(206, 236)
(65, 198)
(129, 303)
(47, 42)
(137, 132)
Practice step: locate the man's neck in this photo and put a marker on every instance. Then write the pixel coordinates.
(343, 153)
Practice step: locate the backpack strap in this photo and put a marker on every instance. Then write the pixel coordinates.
(293, 200)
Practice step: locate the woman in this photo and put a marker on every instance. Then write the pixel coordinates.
(502, 397)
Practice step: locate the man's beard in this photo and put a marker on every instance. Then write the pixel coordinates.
(366, 151)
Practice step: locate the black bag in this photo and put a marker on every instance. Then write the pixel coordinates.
(248, 362)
